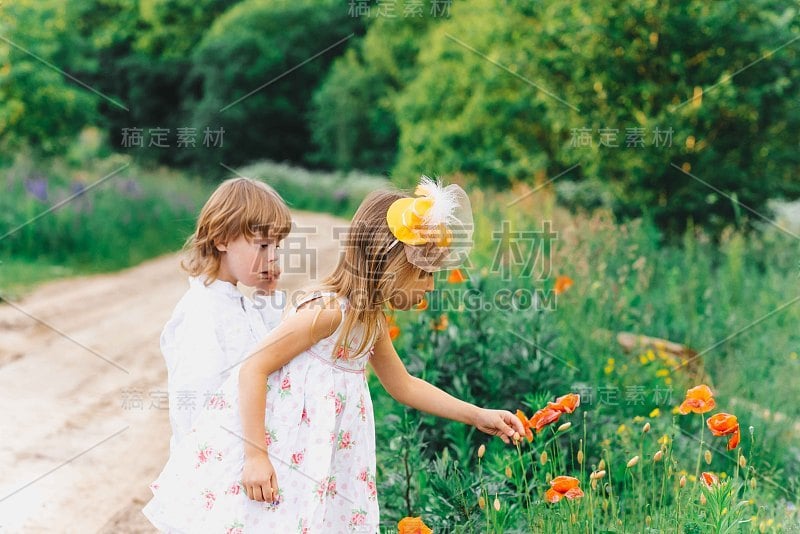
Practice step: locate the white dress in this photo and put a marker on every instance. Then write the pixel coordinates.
(211, 329)
(320, 435)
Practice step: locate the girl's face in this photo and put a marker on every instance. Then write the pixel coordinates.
(409, 293)
(249, 261)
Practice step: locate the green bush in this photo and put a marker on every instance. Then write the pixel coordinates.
(336, 193)
(39, 107)
(257, 47)
(353, 118)
(50, 211)
(726, 301)
(502, 93)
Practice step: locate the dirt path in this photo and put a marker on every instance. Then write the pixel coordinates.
(84, 429)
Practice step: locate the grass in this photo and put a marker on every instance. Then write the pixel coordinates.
(20, 276)
(60, 224)
(726, 299)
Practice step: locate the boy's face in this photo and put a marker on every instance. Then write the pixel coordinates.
(411, 293)
(253, 262)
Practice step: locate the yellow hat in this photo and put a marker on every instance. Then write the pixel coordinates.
(440, 218)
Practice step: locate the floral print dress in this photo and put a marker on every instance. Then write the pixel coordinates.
(320, 434)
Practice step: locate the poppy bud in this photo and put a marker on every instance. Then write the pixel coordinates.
(481, 451)
(707, 456)
(564, 427)
(580, 457)
(496, 503)
(509, 474)
(601, 465)
(597, 475)
(658, 456)
(646, 427)
(543, 458)
(481, 502)
(683, 482)
(633, 461)
(703, 499)
(742, 462)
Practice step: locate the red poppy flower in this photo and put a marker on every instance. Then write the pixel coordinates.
(699, 399)
(709, 479)
(562, 284)
(456, 277)
(563, 486)
(725, 424)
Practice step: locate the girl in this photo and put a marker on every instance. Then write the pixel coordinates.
(213, 325)
(302, 457)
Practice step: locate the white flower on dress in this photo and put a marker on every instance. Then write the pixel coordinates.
(270, 437)
(362, 408)
(345, 441)
(304, 417)
(216, 402)
(210, 498)
(365, 476)
(236, 527)
(235, 489)
(326, 488)
(206, 453)
(297, 459)
(338, 401)
(358, 518)
(286, 387)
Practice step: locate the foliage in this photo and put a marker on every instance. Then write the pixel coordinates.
(39, 106)
(353, 118)
(96, 213)
(336, 193)
(503, 92)
(250, 82)
(519, 356)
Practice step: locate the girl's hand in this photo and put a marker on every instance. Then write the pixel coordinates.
(499, 423)
(259, 479)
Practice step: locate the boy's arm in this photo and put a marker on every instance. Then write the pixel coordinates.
(193, 356)
(426, 397)
(295, 334)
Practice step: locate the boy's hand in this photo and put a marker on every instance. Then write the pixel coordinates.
(499, 423)
(259, 479)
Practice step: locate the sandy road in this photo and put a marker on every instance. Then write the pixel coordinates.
(84, 429)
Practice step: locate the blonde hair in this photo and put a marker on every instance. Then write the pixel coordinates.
(239, 206)
(372, 263)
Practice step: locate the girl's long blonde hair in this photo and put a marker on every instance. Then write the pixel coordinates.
(239, 206)
(370, 266)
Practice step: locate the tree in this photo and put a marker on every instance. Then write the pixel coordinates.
(502, 91)
(353, 118)
(39, 106)
(256, 69)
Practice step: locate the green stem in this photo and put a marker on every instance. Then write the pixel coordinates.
(700, 453)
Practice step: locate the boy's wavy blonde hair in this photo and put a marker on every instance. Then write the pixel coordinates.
(370, 266)
(239, 206)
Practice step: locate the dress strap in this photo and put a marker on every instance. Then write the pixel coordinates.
(318, 294)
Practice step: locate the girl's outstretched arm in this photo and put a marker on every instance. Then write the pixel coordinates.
(421, 395)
